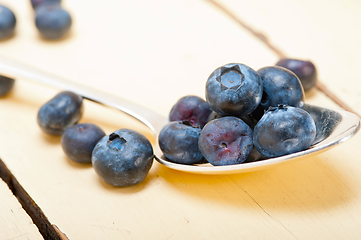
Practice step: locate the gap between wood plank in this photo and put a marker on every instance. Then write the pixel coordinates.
(262, 37)
(46, 229)
(50, 231)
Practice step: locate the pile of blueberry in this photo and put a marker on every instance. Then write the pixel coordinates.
(248, 115)
(122, 158)
(52, 21)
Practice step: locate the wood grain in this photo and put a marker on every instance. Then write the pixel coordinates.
(237, 18)
(310, 30)
(14, 222)
(46, 229)
(153, 53)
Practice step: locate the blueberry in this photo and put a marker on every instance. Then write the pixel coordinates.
(6, 84)
(79, 141)
(36, 3)
(283, 130)
(233, 90)
(62, 111)
(192, 109)
(305, 71)
(7, 22)
(280, 86)
(179, 142)
(52, 21)
(123, 158)
(226, 141)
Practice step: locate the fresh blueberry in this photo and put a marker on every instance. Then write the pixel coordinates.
(179, 142)
(52, 21)
(233, 90)
(305, 71)
(6, 84)
(7, 22)
(192, 109)
(283, 130)
(226, 141)
(79, 141)
(123, 158)
(280, 86)
(36, 3)
(62, 111)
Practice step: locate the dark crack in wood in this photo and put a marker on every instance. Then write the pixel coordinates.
(262, 37)
(46, 229)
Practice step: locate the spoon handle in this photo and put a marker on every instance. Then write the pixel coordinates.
(151, 119)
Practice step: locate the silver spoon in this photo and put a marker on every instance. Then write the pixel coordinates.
(333, 126)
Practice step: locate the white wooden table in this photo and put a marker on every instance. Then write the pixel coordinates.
(153, 53)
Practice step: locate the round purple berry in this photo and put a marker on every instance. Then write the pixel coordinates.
(179, 142)
(233, 90)
(280, 86)
(192, 109)
(283, 130)
(305, 71)
(62, 111)
(123, 158)
(52, 21)
(7, 22)
(79, 141)
(226, 141)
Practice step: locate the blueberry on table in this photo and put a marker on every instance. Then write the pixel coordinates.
(284, 130)
(226, 141)
(305, 71)
(36, 3)
(62, 111)
(7, 22)
(233, 90)
(79, 141)
(179, 142)
(192, 109)
(6, 84)
(52, 21)
(280, 86)
(123, 158)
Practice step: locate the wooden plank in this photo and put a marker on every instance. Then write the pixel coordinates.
(165, 45)
(320, 31)
(45, 228)
(153, 53)
(14, 222)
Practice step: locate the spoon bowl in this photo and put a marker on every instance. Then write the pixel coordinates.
(332, 126)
